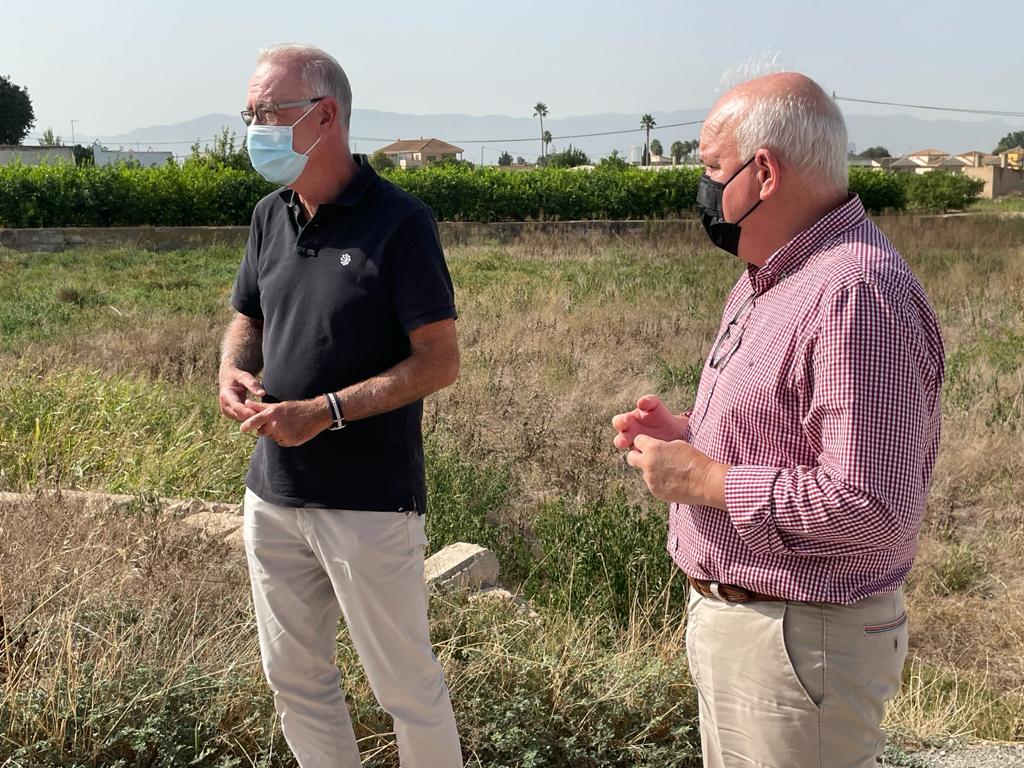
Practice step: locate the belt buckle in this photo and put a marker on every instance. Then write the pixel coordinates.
(734, 595)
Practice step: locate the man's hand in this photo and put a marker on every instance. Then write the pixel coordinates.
(650, 418)
(676, 471)
(290, 423)
(234, 385)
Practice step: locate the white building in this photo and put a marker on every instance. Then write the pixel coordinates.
(146, 158)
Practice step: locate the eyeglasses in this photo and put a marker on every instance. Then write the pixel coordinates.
(267, 113)
(731, 337)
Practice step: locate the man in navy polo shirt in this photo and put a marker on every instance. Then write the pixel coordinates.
(344, 302)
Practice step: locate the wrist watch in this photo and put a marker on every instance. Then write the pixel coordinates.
(337, 415)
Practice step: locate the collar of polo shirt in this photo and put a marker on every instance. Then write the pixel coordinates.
(353, 192)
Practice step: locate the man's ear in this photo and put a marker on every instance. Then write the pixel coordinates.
(766, 161)
(329, 112)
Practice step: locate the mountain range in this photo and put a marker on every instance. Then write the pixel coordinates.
(372, 129)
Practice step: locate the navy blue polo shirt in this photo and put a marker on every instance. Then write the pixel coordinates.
(338, 296)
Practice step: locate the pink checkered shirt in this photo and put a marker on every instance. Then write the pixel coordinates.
(828, 412)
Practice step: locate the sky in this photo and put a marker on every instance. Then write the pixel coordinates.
(116, 66)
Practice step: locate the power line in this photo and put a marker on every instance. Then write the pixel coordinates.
(998, 112)
(521, 154)
(836, 97)
(553, 138)
(140, 141)
(391, 140)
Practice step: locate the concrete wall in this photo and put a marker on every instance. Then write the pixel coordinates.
(36, 155)
(50, 240)
(998, 181)
(572, 233)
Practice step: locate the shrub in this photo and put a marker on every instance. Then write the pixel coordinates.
(879, 190)
(942, 191)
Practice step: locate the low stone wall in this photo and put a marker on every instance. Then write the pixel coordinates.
(49, 240)
(55, 239)
(474, 232)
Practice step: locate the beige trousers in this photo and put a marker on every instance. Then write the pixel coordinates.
(307, 566)
(794, 685)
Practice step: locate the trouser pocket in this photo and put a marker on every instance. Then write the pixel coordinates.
(416, 530)
(802, 640)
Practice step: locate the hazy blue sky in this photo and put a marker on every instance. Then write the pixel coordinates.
(115, 66)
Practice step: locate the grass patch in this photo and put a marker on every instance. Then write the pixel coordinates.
(557, 336)
(1005, 204)
(938, 706)
(130, 641)
(963, 570)
(47, 297)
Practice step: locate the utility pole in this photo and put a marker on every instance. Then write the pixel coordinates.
(481, 155)
(73, 131)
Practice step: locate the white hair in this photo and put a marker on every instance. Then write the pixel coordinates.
(806, 129)
(320, 73)
(758, 65)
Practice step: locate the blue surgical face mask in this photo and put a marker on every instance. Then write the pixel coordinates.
(271, 153)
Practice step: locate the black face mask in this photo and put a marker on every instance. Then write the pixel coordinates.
(724, 234)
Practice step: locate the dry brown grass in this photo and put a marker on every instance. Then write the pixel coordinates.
(128, 639)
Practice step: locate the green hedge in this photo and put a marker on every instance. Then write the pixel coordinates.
(114, 196)
(488, 194)
(65, 195)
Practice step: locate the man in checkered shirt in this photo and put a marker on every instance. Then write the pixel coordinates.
(798, 480)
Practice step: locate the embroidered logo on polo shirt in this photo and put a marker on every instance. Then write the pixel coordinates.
(346, 259)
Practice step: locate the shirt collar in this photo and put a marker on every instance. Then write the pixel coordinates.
(352, 193)
(794, 253)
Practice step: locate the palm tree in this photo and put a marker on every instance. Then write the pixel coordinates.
(647, 122)
(546, 138)
(540, 109)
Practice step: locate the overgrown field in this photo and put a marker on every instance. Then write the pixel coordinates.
(125, 638)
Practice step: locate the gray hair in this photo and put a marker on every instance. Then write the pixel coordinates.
(320, 72)
(806, 128)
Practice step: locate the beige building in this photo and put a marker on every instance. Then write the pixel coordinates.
(419, 152)
(926, 160)
(1003, 174)
(976, 159)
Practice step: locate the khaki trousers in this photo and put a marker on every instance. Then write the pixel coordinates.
(794, 685)
(307, 566)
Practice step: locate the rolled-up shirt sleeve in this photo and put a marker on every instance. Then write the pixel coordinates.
(870, 404)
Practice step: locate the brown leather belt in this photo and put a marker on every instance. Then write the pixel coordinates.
(728, 593)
